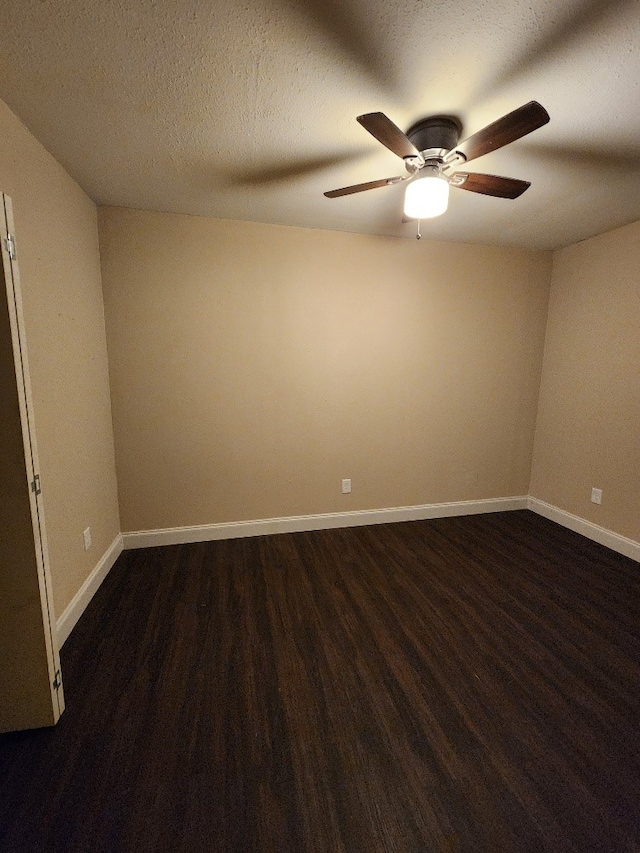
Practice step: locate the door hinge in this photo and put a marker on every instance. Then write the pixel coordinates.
(57, 680)
(10, 245)
(35, 485)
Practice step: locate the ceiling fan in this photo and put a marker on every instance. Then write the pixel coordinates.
(433, 157)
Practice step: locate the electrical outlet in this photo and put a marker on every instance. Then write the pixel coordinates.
(596, 496)
(346, 487)
(87, 538)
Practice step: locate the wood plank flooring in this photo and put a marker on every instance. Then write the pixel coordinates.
(463, 684)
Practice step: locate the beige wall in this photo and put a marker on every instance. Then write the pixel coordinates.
(588, 431)
(59, 263)
(253, 366)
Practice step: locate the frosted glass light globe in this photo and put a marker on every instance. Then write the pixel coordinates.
(426, 197)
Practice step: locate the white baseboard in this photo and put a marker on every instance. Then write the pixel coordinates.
(299, 523)
(627, 547)
(67, 620)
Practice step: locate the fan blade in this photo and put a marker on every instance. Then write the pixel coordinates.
(492, 185)
(507, 129)
(385, 131)
(358, 188)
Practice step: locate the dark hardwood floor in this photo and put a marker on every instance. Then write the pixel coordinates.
(462, 684)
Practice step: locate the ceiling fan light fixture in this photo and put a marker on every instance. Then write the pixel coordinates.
(426, 197)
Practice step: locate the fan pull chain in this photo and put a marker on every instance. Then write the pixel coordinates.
(419, 235)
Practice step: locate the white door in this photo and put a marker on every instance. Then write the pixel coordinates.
(31, 693)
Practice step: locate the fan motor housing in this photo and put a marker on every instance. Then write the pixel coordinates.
(435, 134)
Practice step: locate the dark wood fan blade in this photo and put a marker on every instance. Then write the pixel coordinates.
(494, 185)
(507, 129)
(358, 188)
(385, 131)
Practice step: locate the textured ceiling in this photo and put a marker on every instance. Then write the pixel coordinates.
(246, 109)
